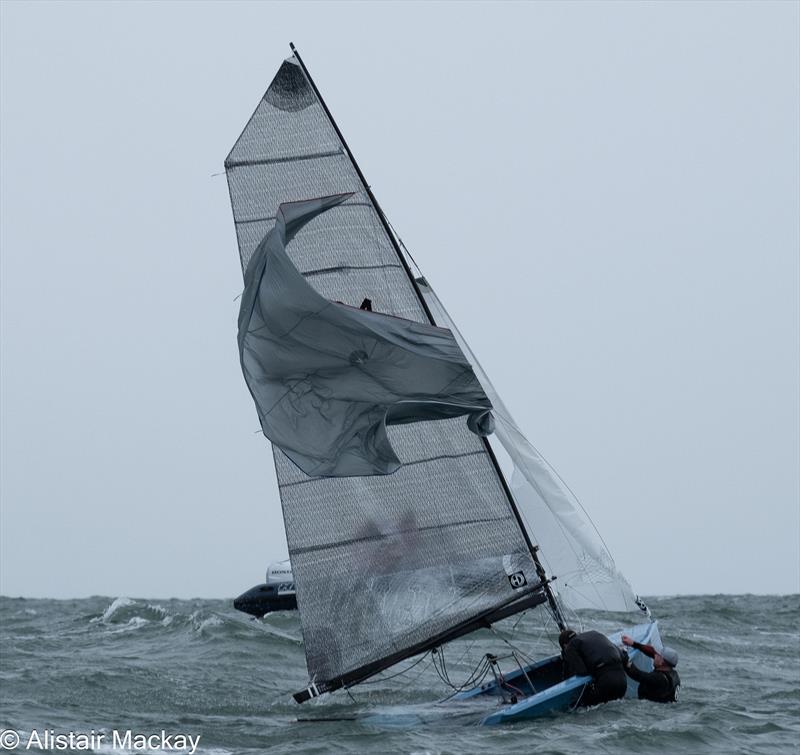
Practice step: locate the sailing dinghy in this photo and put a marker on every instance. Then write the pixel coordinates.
(416, 511)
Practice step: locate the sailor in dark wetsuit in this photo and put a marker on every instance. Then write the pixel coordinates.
(593, 654)
(660, 685)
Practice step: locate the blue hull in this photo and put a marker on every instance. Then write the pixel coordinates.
(544, 691)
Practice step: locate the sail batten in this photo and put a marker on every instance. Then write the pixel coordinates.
(273, 160)
(398, 533)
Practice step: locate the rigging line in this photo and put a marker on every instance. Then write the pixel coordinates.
(540, 637)
(402, 244)
(379, 678)
(576, 619)
(580, 697)
(474, 679)
(441, 666)
(516, 623)
(466, 651)
(514, 648)
(471, 680)
(415, 679)
(544, 633)
(479, 679)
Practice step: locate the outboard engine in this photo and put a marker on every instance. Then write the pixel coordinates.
(280, 571)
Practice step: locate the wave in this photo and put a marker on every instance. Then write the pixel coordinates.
(125, 614)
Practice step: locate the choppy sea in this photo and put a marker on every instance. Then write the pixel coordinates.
(199, 668)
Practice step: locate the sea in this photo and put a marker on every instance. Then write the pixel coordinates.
(131, 675)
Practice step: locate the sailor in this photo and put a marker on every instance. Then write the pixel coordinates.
(593, 654)
(660, 685)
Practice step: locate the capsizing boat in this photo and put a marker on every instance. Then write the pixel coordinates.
(416, 511)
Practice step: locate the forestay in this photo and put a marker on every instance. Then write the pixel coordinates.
(381, 563)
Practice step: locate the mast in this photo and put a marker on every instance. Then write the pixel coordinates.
(540, 571)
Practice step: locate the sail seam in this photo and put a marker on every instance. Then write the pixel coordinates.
(381, 536)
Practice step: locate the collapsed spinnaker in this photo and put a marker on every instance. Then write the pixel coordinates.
(328, 379)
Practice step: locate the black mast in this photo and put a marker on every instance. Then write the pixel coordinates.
(554, 607)
(367, 188)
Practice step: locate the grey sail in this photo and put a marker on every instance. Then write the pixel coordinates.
(328, 379)
(383, 564)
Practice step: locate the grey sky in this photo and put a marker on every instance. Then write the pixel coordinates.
(621, 188)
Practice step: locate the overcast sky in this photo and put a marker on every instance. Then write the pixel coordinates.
(604, 195)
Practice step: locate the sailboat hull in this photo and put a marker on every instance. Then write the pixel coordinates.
(543, 692)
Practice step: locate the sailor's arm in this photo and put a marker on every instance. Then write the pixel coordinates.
(648, 650)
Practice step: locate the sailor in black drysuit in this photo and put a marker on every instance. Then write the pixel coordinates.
(660, 685)
(593, 654)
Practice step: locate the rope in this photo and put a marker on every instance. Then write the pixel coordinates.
(399, 673)
(400, 241)
(477, 676)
